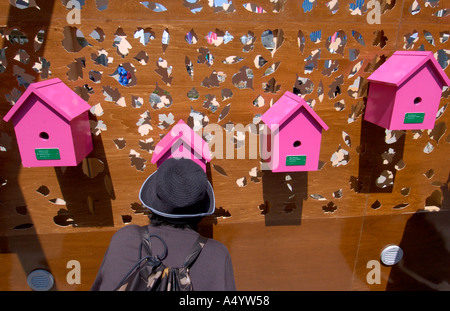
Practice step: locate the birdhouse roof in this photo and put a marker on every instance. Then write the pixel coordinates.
(283, 109)
(56, 95)
(403, 64)
(181, 131)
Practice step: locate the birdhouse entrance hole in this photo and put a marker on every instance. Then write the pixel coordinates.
(297, 143)
(417, 100)
(44, 135)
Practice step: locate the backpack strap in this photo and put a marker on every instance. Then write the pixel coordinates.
(146, 243)
(197, 248)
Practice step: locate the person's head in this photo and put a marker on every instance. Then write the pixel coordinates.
(178, 192)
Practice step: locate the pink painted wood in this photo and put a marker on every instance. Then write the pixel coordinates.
(182, 142)
(295, 133)
(404, 92)
(51, 123)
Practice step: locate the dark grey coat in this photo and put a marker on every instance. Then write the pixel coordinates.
(212, 271)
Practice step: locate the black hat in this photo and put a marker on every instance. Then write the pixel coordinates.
(179, 188)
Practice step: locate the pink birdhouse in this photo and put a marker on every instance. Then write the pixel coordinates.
(294, 133)
(405, 91)
(182, 142)
(51, 124)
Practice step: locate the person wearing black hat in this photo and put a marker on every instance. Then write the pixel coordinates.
(179, 195)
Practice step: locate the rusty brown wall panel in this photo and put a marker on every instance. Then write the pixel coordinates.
(325, 225)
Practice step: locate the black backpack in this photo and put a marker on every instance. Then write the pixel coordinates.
(150, 273)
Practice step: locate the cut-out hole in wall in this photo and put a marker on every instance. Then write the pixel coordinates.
(193, 94)
(254, 8)
(191, 37)
(303, 86)
(120, 143)
(98, 34)
(42, 67)
(154, 6)
(211, 103)
(121, 43)
(272, 39)
(410, 39)
(311, 62)
(23, 226)
(330, 67)
(147, 145)
(126, 219)
(113, 95)
(330, 207)
(338, 194)
(339, 105)
(193, 5)
(14, 35)
(386, 179)
(438, 131)
(259, 61)
(335, 87)
(380, 39)
(76, 69)
(214, 79)
(336, 43)
(232, 60)
(301, 41)
(224, 112)
(137, 161)
(271, 86)
(271, 69)
(74, 40)
(125, 74)
(405, 191)
(23, 78)
(244, 78)
(259, 101)
(101, 58)
(248, 41)
(340, 157)
(434, 201)
(225, 6)
(165, 120)
(145, 35)
(43, 190)
(64, 218)
(400, 206)
(308, 5)
(217, 37)
(144, 126)
(205, 56)
(22, 210)
(164, 70)
(376, 205)
(165, 40)
(226, 94)
(39, 40)
(142, 57)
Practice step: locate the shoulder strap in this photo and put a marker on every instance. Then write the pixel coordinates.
(197, 248)
(146, 243)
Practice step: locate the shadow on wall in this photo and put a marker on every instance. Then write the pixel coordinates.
(283, 195)
(28, 250)
(425, 265)
(87, 190)
(381, 155)
(426, 247)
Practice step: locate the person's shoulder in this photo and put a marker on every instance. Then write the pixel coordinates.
(216, 245)
(126, 233)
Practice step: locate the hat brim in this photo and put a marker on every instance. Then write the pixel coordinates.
(150, 200)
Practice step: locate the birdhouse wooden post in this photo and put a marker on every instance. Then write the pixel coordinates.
(405, 91)
(182, 142)
(51, 123)
(294, 133)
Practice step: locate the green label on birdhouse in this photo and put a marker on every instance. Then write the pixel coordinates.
(411, 118)
(295, 160)
(47, 154)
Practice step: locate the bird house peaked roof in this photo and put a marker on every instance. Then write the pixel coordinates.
(403, 64)
(282, 110)
(56, 95)
(181, 131)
